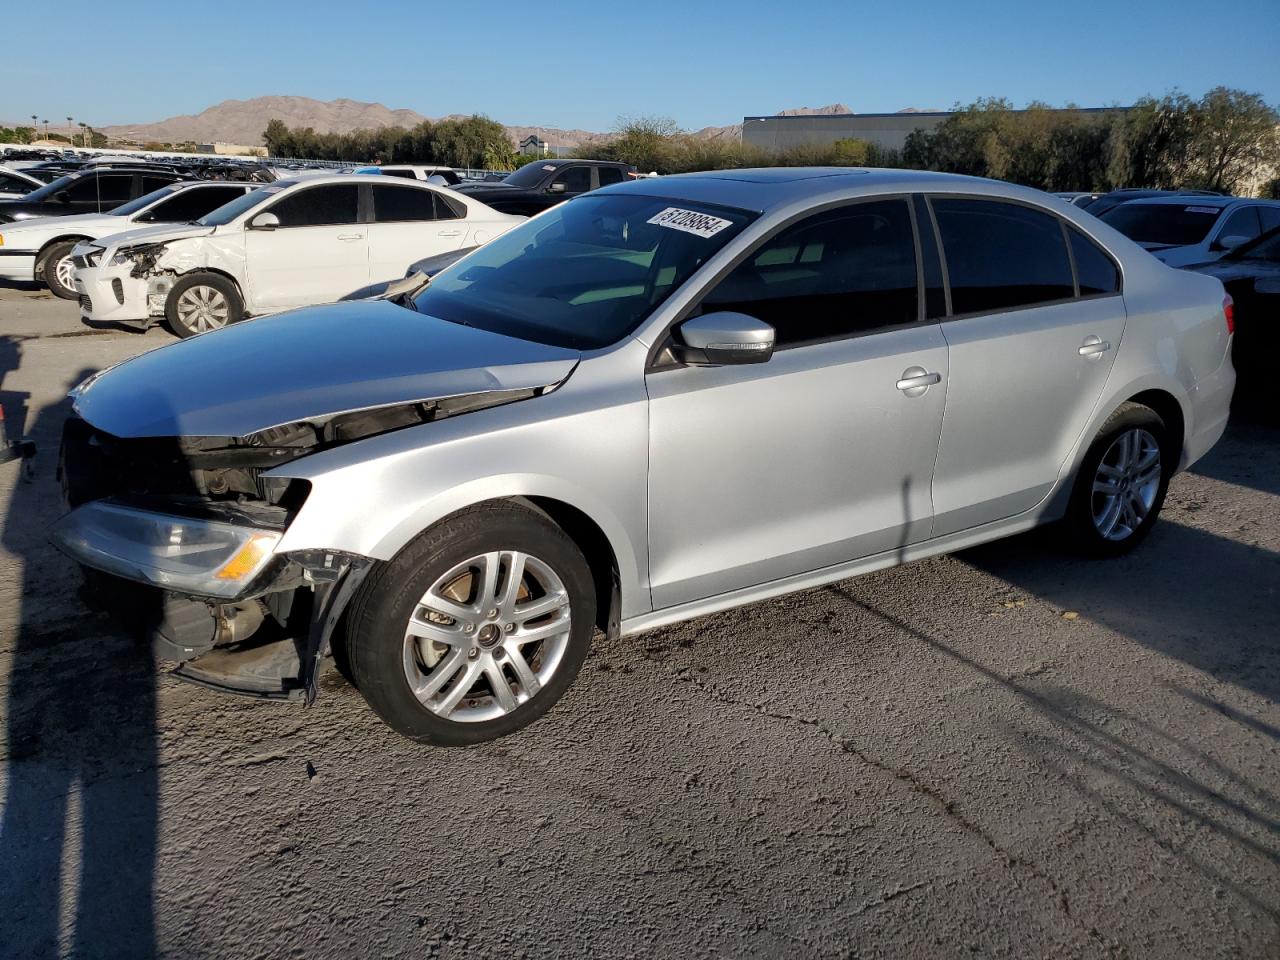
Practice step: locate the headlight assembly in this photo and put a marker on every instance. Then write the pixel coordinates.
(209, 558)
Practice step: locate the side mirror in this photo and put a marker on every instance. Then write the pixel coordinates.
(722, 339)
(264, 221)
(1231, 242)
(558, 187)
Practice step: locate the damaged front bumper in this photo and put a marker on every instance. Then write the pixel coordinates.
(240, 617)
(118, 292)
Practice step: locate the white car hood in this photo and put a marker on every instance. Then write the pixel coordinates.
(32, 234)
(163, 232)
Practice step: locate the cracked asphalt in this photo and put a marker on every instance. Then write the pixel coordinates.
(1007, 752)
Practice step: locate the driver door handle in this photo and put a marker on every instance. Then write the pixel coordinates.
(918, 381)
(1094, 347)
(351, 236)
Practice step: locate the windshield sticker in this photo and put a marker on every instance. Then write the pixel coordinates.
(549, 167)
(690, 221)
(1200, 209)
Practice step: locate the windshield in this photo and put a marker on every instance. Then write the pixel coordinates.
(530, 175)
(584, 274)
(1168, 224)
(49, 189)
(229, 211)
(144, 201)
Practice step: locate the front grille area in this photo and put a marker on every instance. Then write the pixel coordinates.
(118, 289)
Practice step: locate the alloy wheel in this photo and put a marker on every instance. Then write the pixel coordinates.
(487, 636)
(1126, 484)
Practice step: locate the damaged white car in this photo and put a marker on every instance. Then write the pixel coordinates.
(294, 243)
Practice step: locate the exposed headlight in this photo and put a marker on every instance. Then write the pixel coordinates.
(131, 255)
(209, 558)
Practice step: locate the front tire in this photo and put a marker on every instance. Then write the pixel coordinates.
(475, 629)
(201, 302)
(59, 272)
(1122, 483)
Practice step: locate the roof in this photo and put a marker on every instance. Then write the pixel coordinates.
(906, 115)
(1195, 200)
(768, 188)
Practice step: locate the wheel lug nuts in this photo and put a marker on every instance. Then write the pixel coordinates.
(468, 628)
(510, 628)
(493, 614)
(473, 653)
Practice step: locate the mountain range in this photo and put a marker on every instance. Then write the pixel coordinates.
(243, 121)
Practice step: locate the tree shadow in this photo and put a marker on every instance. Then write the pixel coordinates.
(1089, 737)
(1211, 602)
(80, 745)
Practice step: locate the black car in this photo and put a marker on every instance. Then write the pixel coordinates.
(1251, 274)
(87, 191)
(1116, 197)
(544, 183)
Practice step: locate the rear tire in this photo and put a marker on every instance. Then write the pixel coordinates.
(58, 270)
(432, 634)
(200, 302)
(1121, 484)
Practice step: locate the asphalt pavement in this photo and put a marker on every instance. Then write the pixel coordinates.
(1008, 752)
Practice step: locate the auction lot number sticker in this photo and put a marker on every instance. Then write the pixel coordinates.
(690, 221)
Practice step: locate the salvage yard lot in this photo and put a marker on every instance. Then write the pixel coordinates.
(1008, 751)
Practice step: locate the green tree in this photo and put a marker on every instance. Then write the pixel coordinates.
(1233, 137)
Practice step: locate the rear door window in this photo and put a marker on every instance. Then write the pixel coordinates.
(609, 175)
(1001, 256)
(1095, 270)
(336, 203)
(1270, 218)
(402, 204)
(835, 274)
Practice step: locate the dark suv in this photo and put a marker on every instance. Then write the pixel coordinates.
(544, 183)
(87, 191)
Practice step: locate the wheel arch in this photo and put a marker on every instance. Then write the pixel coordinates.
(598, 551)
(48, 245)
(1169, 410)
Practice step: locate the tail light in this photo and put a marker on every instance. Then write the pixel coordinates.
(1229, 311)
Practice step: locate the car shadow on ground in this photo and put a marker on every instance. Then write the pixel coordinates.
(80, 740)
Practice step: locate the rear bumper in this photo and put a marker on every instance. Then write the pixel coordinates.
(18, 265)
(109, 294)
(1210, 407)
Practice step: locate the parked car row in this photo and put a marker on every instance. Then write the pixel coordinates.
(661, 399)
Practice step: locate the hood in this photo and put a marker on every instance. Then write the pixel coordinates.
(308, 365)
(88, 222)
(161, 232)
(1226, 270)
(496, 186)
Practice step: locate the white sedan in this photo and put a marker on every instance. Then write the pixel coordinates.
(40, 250)
(294, 243)
(15, 184)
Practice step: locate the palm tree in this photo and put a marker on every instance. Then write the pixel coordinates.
(71, 131)
(84, 128)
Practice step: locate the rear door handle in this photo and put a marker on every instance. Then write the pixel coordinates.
(916, 380)
(450, 233)
(351, 236)
(1094, 347)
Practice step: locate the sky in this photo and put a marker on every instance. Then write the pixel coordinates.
(573, 64)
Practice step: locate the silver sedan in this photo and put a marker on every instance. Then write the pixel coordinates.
(653, 402)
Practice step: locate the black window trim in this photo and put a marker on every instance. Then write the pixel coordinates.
(363, 205)
(655, 362)
(1066, 239)
(369, 212)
